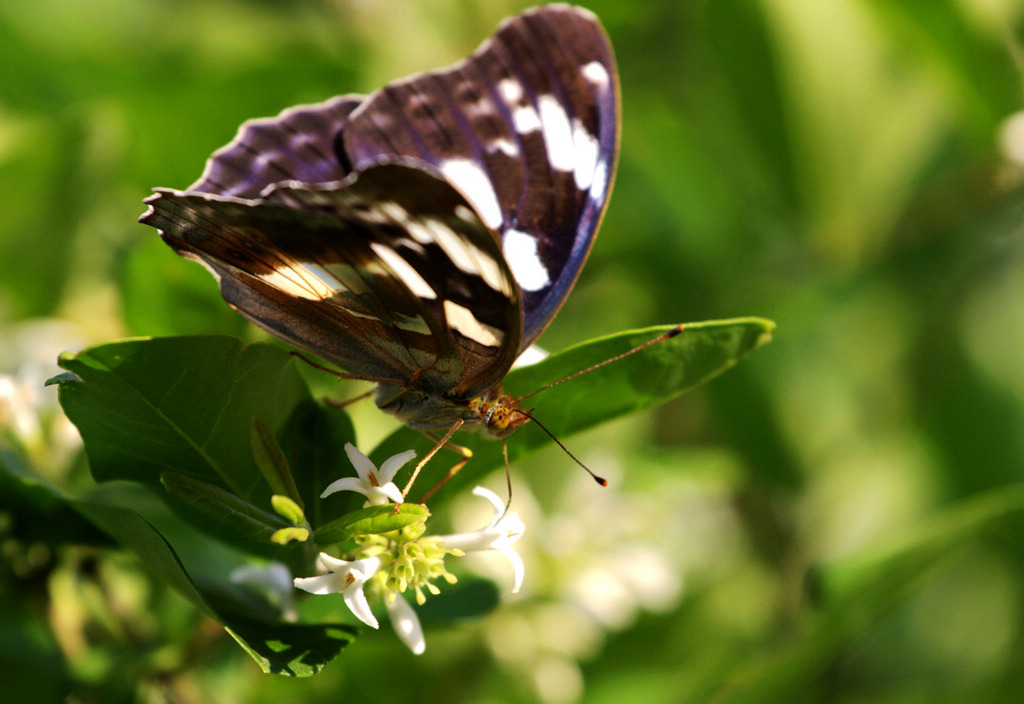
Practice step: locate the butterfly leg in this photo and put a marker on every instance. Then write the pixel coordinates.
(466, 455)
(349, 401)
(465, 452)
(444, 480)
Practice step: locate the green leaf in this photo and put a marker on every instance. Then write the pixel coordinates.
(63, 377)
(146, 406)
(223, 514)
(372, 519)
(281, 648)
(649, 377)
(36, 513)
(182, 409)
(206, 408)
(314, 438)
(293, 649)
(272, 462)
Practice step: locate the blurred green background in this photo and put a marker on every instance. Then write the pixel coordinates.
(838, 519)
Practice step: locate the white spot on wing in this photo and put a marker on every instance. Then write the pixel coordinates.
(406, 243)
(384, 212)
(394, 211)
(585, 150)
(471, 180)
(464, 213)
(404, 271)
(511, 90)
(309, 282)
(342, 273)
(468, 257)
(480, 108)
(491, 273)
(323, 281)
(596, 73)
(454, 246)
(525, 119)
(418, 232)
(462, 319)
(600, 184)
(503, 145)
(557, 133)
(524, 260)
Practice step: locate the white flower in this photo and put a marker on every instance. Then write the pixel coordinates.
(503, 530)
(376, 485)
(407, 624)
(347, 578)
(274, 581)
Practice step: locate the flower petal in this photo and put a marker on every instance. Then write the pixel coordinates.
(330, 583)
(496, 502)
(356, 602)
(518, 569)
(385, 494)
(407, 625)
(347, 578)
(364, 467)
(468, 542)
(392, 464)
(345, 484)
(511, 528)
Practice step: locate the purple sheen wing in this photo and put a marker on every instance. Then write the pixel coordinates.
(389, 274)
(297, 145)
(527, 128)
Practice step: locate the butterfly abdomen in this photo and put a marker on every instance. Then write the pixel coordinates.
(422, 410)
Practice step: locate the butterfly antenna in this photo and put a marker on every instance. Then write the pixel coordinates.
(600, 480)
(660, 338)
(508, 475)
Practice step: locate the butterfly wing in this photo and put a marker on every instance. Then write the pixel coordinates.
(297, 145)
(528, 129)
(390, 274)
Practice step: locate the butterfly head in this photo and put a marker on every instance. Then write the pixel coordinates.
(501, 414)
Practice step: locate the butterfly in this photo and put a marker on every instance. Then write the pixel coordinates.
(421, 237)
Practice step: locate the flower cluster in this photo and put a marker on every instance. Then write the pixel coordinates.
(388, 564)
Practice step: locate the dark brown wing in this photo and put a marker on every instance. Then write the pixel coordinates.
(389, 274)
(297, 145)
(528, 129)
